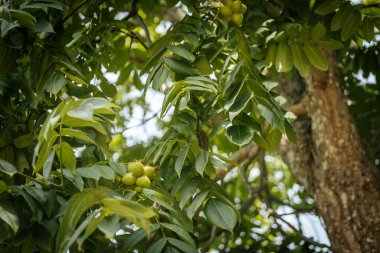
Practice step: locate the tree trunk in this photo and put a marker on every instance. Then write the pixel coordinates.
(331, 163)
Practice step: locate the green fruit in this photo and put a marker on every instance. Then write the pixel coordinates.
(136, 168)
(226, 11)
(149, 171)
(143, 182)
(228, 2)
(243, 8)
(115, 143)
(128, 179)
(237, 18)
(236, 6)
(203, 65)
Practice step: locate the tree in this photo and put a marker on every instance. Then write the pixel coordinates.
(246, 88)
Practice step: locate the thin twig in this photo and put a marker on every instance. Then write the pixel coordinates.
(305, 238)
(145, 28)
(213, 234)
(133, 10)
(133, 13)
(72, 11)
(143, 122)
(134, 36)
(239, 156)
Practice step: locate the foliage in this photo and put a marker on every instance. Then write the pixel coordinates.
(60, 184)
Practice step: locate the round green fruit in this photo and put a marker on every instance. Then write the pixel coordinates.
(203, 65)
(226, 11)
(128, 179)
(236, 6)
(228, 2)
(243, 8)
(237, 18)
(143, 182)
(115, 143)
(136, 168)
(149, 171)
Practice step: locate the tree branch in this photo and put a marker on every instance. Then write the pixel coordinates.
(133, 10)
(74, 10)
(213, 234)
(305, 238)
(134, 36)
(239, 156)
(133, 13)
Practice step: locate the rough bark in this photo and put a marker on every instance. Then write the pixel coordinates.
(332, 164)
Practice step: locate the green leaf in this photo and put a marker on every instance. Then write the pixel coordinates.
(181, 159)
(270, 58)
(44, 6)
(48, 164)
(77, 122)
(368, 29)
(8, 215)
(66, 155)
(75, 179)
(240, 135)
(7, 168)
(73, 78)
(220, 214)
(197, 202)
(79, 230)
(108, 89)
(330, 44)
(160, 77)
(91, 227)
(77, 134)
(42, 25)
(160, 199)
(300, 60)
(22, 17)
(130, 210)
(180, 67)
(327, 7)
(32, 203)
(78, 204)
(187, 192)
(284, 61)
(337, 21)
(38, 194)
(290, 133)
(3, 186)
(318, 32)
(351, 24)
(6, 27)
(273, 138)
(181, 51)
(239, 105)
(173, 92)
(82, 111)
(55, 83)
(157, 246)
(179, 231)
(138, 236)
(183, 246)
(201, 162)
(315, 56)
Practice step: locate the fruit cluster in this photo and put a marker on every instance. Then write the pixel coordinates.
(233, 10)
(138, 174)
